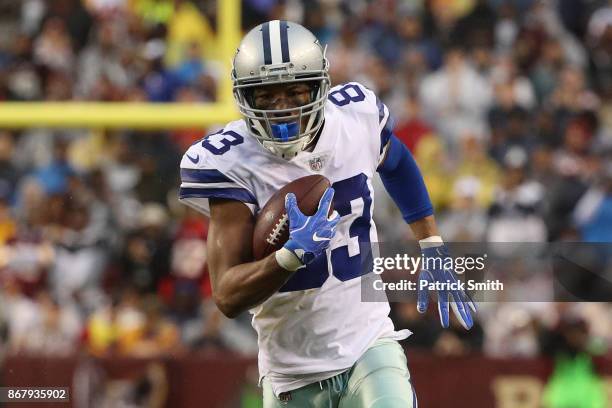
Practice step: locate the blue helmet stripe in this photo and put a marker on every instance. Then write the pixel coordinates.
(265, 34)
(284, 41)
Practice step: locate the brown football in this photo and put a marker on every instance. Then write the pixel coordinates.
(272, 224)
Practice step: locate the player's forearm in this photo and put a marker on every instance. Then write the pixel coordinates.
(424, 228)
(244, 286)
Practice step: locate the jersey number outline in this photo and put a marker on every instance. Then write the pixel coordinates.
(342, 96)
(220, 142)
(352, 199)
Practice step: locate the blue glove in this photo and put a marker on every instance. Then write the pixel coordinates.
(310, 236)
(459, 300)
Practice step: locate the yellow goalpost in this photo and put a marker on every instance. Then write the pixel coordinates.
(109, 115)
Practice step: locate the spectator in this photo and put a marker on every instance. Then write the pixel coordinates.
(437, 168)
(593, 213)
(115, 327)
(474, 163)
(456, 98)
(157, 336)
(466, 219)
(57, 333)
(22, 314)
(55, 176)
(574, 378)
(412, 127)
(146, 258)
(53, 48)
(9, 172)
(8, 227)
(102, 61)
(515, 213)
(346, 54)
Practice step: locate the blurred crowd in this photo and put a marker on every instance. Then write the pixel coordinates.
(506, 106)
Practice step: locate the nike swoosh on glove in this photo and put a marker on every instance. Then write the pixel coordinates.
(310, 236)
(460, 302)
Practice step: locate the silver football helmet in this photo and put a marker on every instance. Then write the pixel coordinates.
(280, 52)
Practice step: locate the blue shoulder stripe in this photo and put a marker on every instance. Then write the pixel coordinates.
(204, 176)
(385, 135)
(387, 130)
(381, 109)
(239, 194)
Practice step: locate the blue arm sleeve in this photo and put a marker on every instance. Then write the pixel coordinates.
(404, 183)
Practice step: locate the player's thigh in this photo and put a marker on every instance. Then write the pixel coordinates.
(310, 396)
(380, 379)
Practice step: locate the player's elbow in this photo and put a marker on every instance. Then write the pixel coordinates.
(228, 308)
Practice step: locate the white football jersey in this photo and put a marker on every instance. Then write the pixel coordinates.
(316, 325)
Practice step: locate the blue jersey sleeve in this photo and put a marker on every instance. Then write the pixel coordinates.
(403, 181)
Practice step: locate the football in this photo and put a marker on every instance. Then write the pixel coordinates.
(272, 223)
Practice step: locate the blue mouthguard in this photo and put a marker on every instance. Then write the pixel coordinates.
(283, 131)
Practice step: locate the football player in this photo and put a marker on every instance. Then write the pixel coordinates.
(319, 344)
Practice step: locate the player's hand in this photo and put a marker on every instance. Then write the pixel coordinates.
(460, 301)
(310, 236)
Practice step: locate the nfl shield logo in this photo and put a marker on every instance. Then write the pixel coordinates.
(316, 163)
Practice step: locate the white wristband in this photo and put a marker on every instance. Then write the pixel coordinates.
(431, 242)
(287, 260)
